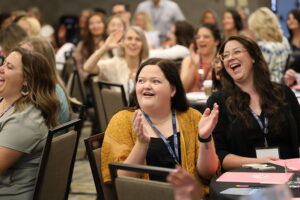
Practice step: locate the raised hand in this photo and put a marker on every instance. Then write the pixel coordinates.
(114, 40)
(290, 77)
(142, 135)
(195, 56)
(208, 121)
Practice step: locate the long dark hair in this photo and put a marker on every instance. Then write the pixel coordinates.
(184, 32)
(296, 13)
(89, 45)
(271, 94)
(168, 67)
(238, 23)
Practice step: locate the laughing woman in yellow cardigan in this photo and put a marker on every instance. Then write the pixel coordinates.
(162, 130)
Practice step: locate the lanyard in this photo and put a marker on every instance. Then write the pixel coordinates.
(264, 127)
(176, 154)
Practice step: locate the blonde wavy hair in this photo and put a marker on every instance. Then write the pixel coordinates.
(265, 25)
(147, 20)
(32, 27)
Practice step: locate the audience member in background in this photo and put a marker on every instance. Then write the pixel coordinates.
(162, 130)
(84, 14)
(274, 46)
(255, 113)
(17, 14)
(115, 23)
(121, 68)
(180, 37)
(244, 13)
(5, 19)
(44, 47)
(293, 24)
(209, 17)
(30, 24)
(122, 10)
(232, 23)
(28, 108)
(216, 76)
(144, 21)
(47, 31)
(293, 67)
(197, 67)
(92, 40)
(164, 14)
(10, 37)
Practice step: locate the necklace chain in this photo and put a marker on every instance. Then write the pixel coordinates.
(5, 111)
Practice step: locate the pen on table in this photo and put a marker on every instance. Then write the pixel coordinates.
(246, 186)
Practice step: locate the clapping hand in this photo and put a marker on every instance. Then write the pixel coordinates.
(208, 121)
(142, 135)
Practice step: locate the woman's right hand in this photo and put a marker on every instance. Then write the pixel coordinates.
(113, 40)
(290, 77)
(195, 56)
(143, 136)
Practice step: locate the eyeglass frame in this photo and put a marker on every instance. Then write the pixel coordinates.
(235, 53)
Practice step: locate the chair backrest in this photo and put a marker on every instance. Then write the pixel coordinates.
(75, 86)
(57, 162)
(98, 105)
(113, 98)
(128, 188)
(93, 146)
(68, 67)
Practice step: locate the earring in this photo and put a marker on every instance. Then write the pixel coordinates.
(24, 90)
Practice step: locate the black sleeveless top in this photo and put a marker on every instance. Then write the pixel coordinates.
(159, 156)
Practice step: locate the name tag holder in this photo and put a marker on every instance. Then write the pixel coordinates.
(267, 152)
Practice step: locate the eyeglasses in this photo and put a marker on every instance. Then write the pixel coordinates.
(235, 53)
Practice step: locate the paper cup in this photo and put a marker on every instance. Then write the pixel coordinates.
(208, 87)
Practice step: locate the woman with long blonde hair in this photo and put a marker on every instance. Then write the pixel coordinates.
(274, 46)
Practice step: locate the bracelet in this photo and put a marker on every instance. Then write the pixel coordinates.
(204, 140)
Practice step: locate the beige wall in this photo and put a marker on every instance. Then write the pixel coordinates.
(191, 8)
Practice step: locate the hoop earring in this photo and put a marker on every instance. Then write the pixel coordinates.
(24, 90)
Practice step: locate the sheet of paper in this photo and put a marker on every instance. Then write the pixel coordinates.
(255, 177)
(239, 191)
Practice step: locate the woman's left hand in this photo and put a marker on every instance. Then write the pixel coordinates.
(208, 121)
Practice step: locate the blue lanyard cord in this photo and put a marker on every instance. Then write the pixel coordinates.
(264, 127)
(176, 154)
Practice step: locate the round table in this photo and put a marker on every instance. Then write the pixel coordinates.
(217, 187)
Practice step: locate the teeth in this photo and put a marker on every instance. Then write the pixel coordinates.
(234, 66)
